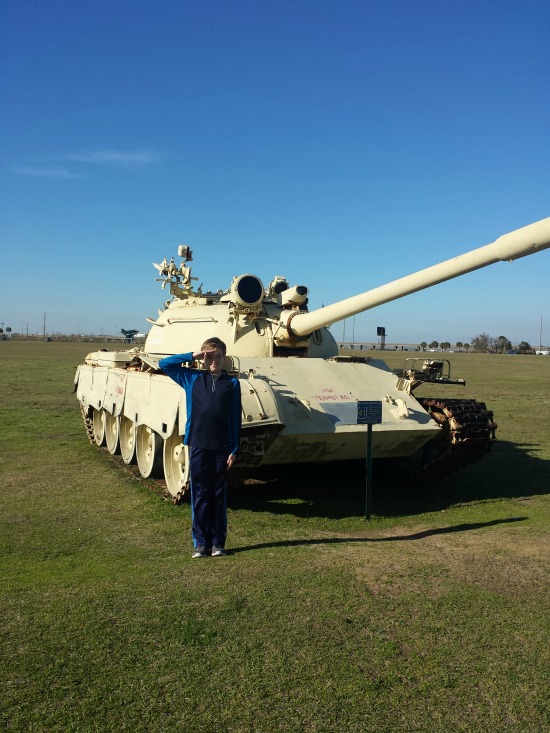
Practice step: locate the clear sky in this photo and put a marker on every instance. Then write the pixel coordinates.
(340, 144)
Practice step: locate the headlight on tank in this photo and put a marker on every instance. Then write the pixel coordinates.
(293, 296)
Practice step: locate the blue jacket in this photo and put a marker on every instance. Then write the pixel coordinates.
(213, 405)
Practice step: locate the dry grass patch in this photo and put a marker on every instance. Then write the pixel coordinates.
(417, 559)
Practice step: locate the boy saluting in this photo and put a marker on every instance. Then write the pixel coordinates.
(212, 434)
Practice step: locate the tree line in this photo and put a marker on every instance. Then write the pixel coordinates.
(483, 343)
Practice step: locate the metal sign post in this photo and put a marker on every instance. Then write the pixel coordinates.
(369, 413)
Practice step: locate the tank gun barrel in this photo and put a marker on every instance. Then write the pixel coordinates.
(519, 243)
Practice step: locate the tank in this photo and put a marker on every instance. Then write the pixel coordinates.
(299, 396)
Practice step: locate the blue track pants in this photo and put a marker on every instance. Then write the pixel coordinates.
(208, 472)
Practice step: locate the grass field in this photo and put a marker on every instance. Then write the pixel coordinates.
(432, 616)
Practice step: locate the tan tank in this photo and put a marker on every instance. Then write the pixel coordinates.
(299, 397)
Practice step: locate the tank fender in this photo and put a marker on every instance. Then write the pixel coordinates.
(115, 391)
(259, 403)
(90, 389)
(156, 401)
(76, 377)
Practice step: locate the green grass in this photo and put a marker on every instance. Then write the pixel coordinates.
(433, 616)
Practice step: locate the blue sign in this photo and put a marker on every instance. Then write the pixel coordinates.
(369, 413)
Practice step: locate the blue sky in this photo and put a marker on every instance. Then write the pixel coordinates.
(340, 144)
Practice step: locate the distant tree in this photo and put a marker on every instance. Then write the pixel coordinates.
(8, 329)
(524, 347)
(502, 344)
(481, 342)
(459, 344)
(466, 347)
(445, 345)
(434, 344)
(423, 345)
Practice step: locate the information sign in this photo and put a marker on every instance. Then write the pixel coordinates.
(369, 412)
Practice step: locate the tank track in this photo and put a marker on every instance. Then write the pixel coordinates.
(467, 433)
(88, 424)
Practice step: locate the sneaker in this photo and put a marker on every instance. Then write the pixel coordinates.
(200, 552)
(218, 551)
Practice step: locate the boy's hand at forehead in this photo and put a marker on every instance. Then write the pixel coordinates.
(198, 355)
(202, 355)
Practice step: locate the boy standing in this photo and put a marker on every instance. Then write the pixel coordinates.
(212, 434)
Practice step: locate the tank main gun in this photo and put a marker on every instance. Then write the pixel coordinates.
(519, 243)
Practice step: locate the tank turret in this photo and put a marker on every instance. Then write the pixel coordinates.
(299, 397)
(246, 316)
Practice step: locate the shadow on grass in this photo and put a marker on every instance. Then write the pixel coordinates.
(336, 491)
(393, 538)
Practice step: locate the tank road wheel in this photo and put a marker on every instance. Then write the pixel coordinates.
(98, 421)
(176, 466)
(112, 433)
(149, 452)
(127, 440)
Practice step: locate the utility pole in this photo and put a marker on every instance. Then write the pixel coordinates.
(44, 326)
